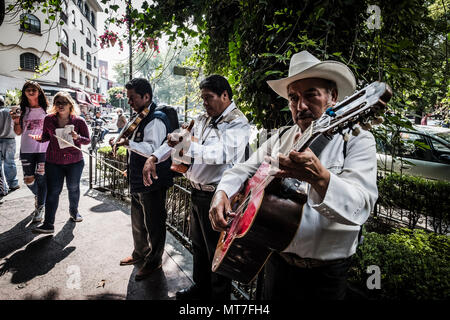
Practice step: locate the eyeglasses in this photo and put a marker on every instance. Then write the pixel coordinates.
(31, 90)
(61, 103)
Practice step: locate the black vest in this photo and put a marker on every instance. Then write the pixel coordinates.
(165, 177)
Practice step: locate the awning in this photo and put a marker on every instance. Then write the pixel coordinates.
(98, 98)
(83, 97)
(54, 88)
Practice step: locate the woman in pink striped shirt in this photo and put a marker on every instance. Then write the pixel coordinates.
(33, 109)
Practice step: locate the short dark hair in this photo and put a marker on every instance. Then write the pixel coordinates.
(141, 86)
(217, 84)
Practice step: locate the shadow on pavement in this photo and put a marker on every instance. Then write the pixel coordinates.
(153, 288)
(51, 294)
(40, 256)
(17, 236)
(103, 207)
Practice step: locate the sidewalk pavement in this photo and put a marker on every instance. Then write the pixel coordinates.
(81, 260)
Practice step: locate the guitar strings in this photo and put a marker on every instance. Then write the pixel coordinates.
(263, 184)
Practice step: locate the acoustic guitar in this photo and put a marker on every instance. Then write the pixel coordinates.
(266, 220)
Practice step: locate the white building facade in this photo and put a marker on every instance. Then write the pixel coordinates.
(27, 41)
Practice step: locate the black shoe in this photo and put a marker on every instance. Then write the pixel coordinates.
(191, 293)
(12, 189)
(44, 229)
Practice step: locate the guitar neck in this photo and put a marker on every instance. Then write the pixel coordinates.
(305, 139)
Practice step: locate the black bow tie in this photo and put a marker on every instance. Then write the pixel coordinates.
(215, 121)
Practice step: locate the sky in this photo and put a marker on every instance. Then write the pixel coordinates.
(112, 55)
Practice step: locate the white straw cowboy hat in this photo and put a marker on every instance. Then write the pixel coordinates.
(304, 65)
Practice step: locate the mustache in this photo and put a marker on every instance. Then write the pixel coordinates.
(303, 115)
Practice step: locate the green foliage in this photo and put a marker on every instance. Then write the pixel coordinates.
(420, 197)
(12, 97)
(414, 265)
(114, 100)
(158, 69)
(251, 42)
(107, 150)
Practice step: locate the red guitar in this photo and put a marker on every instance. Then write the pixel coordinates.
(267, 222)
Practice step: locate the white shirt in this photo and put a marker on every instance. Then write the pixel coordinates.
(216, 150)
(154, 134)
(328, 229)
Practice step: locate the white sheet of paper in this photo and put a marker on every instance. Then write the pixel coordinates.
(64, 133)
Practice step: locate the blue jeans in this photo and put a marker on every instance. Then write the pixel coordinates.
(55, 181)
(33, 165)
(7, 152)
(104, 133)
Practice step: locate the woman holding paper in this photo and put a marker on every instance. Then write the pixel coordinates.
(29, 121)
(62, 159)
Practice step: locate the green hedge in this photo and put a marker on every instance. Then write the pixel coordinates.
(417, 195)
(413, 264)
(107, 151)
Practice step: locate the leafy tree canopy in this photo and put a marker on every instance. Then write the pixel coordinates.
(252, 41)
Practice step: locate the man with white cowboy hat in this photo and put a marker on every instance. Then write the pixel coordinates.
(340, 185)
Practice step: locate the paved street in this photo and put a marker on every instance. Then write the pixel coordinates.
(80, 260)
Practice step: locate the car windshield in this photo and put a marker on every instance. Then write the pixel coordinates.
(444, 135)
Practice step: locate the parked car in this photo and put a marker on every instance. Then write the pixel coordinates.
(425, 152)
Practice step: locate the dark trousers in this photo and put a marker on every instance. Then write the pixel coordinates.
(285, 281)
(204, 241)
(148, 222)
(33, 164)
(55, 181)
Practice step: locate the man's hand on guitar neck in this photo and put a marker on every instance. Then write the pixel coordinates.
(220, 210)
(305, 166)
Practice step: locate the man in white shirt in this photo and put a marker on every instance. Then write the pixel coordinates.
(148, 212)
(341, 186)
(218, 141)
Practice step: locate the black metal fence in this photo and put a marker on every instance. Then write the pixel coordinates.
(178, 205)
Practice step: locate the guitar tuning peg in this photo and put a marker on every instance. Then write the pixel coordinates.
(356, 131)
(366, 125)
(377, 120)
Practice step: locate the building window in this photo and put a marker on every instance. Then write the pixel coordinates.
(86, 10)
(64, 43)
(64, 11)
(95, 62)
(30, 23)
(64, 39)
(80, 4)
(81, 53)
(73, 75)
(74, 47)
(64, 6)
(88, 61)
(81, 26)
(88, 38)
(93, 18)
(86, 82)
(62, 71)
(81, 78)
(29, 61)
(74, 21)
